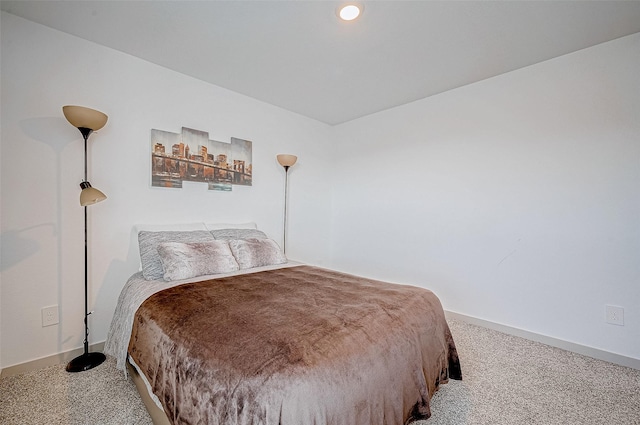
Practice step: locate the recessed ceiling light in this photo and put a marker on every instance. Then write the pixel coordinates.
(349, 12)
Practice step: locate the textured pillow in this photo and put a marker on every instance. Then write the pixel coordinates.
(148, 243)
(229, 234)
(182, 227)
(256, 252)
(184, 260)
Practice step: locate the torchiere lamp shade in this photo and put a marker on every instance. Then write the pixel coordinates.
(286, 160)
(81, 117)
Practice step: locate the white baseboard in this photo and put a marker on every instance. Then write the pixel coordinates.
(607, 356)
(48, 361)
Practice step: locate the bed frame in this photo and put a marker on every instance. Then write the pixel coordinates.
(158, 416)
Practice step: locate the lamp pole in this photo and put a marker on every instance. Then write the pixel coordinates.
(286, 191)
(286, 161)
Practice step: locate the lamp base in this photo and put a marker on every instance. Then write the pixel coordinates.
(85, 361)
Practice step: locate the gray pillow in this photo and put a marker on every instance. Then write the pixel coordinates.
(185, 260)
(229, 234)
(252, 253)
(148, 243)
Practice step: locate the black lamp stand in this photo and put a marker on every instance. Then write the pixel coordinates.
(284, 233)
(86, 360)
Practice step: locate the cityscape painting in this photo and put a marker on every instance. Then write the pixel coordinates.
(191, 156)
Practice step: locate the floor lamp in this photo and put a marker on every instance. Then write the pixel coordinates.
(286, 161)
(87, 121)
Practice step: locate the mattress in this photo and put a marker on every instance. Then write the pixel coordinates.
(286, 345)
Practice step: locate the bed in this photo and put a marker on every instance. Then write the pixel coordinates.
(267, 341)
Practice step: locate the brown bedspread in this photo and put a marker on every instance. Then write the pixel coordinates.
(294, 346)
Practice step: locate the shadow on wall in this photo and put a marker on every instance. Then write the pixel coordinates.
(54, 133)
(106, 299)
(16, 246)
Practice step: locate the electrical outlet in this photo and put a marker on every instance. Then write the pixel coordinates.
(50, 316)
(614, 315)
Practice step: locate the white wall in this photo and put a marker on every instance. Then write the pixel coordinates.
(42, 165)
(516, 199)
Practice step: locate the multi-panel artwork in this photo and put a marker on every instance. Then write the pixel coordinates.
(191, 156)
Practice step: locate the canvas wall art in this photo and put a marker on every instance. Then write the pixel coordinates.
(191, 156)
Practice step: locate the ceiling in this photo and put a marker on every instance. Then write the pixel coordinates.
(298, 55)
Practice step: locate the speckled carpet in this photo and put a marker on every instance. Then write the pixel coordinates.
(507, 380)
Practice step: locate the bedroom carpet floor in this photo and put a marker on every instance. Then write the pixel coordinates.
(507, 380)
